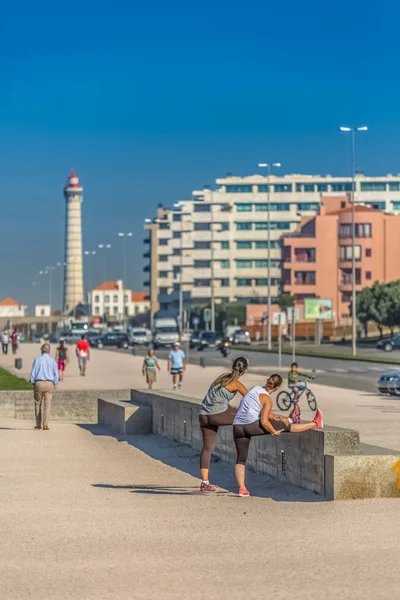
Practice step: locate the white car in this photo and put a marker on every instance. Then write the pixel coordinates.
(389, 383)
(140, 336)
(241, 337)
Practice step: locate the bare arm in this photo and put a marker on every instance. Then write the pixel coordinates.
(266, 413)
(143, 367)
(237, 386)
(158, 366)
(57, 354)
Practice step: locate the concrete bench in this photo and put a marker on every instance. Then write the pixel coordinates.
(124, 417)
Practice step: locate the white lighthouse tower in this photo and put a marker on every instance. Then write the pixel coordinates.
(73, 270)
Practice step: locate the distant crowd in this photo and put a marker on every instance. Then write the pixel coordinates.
(8, 339)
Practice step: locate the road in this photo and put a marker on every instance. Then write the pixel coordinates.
(347, 374)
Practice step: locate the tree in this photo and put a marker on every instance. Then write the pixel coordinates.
(380, 303)
(286, 300)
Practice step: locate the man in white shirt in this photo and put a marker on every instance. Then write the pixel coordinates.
(5, 340)
(176, 364)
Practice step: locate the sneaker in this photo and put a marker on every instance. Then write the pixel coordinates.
(205, 488)
(243, 493)
(295, 414)
(318, 419)
(174, 387)
(179, 385)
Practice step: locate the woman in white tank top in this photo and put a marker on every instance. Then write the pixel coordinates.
(254, 417)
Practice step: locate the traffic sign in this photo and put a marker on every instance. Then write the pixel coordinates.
(196, 321)
(207, 314)
(293, 314)
(265, 315)
(279, 318)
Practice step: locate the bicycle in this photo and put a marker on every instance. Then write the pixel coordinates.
(285, 399)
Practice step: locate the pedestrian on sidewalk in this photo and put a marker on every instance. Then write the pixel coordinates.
(83, 354)
(44, 377)
(14, 341)
(5, 340)
(62, 359)
(150, 366)
(176, 364)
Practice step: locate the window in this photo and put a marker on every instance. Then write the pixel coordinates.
(299, 187)
(322, 187)
(263, 187)
(202, 226)
(368, 275)
(243, 282)
(373, 186)
(126, 299)
(107, 298)
(224, 282)
(202, 282)
(244, 226)
(262, 245)
(362, 230)
(97, 310)
(202, 208)
(242, 207)
(238, 189)
(304, 254)
(176, 270)
(224, 226)
(177, 287)
(136, 310)
(394, 186)
(347, 278)
(341, 187)
(176, 252)
(225, 264)
(202, 264)
(343, 204)
(261, 264)
(202, 245)
(163, 242)
(164, 225)
(346, 252)
(281, 206)
(346, 297)
(176, 234)
(177, 217)
(244, 264)
(308, 206)
(115, 298)
(115, 310)
(262, 226)
(282, 187)
(163, 257)
(262, 281)
(163, 290)
(97, 298)
(368, 252)
(261, 207)
(377, 205)
(309, 187)
(281, 225)
(304, 277)
(225, 245)
(396, 205)
(243, 245)
(163, 274)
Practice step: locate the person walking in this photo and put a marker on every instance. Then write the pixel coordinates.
(14, 341)
(5, 340)
(150, 366)
(216, 411)
(176, 364)
(44, 377)
(62, 359)
(83, 354)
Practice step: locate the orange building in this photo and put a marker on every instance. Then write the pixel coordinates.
(317, 258)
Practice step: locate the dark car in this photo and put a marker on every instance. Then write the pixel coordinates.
(389, 344)
(209, 339)
(195, 339)
(93, 337)
(114, 338)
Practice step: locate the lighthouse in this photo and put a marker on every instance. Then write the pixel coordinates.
(73, 270)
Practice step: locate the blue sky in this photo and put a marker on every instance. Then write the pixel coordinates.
(148, 101)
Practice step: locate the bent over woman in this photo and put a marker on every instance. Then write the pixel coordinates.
(216, 411)
(254, 417)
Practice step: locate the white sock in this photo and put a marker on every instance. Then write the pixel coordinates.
(205, 481)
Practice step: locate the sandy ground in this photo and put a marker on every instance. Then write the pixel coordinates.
(84, 517)
(377, 418)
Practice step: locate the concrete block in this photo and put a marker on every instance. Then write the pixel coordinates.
(337, 440)
(125, 417)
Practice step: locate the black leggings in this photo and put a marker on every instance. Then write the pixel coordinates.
(242, 435)
(209, 425)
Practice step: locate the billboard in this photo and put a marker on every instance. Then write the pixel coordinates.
(315, 308)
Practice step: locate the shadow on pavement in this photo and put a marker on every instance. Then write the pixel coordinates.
(184, 458)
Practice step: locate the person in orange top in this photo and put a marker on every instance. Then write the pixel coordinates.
(83, 354)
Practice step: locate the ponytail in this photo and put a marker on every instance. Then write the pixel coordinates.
(239, 366)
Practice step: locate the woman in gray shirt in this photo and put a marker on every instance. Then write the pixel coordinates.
(216, 411)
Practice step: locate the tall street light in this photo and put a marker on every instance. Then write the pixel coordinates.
(104, 247)
(269, 166)
(353, 131)
(124, 236)
(89, 253)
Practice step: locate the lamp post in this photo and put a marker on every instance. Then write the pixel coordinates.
(89, 253)
(268, 166)
(124, 236)
(353, 131)
(104, 247)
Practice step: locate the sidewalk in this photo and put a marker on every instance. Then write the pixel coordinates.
(377, 418)
(86, 517)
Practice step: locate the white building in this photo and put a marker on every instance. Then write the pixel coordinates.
(111, 299)
(42, 310)
(11, 308)
(222, 234)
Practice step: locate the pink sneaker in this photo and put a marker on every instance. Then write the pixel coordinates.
(205, 488)
(295, 415)
(243, 493)
(319, 419)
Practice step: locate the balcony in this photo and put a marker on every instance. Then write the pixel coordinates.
(146, 240)
(146, 269)
(146, 284)
(305, 255)
(146, 255)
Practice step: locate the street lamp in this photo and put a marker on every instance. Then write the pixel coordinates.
(269, 166)
(176, 205)
(104, 247)
(124, 236)
(90, 253)
(353, 131)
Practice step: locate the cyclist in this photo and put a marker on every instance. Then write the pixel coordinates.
(296, 386)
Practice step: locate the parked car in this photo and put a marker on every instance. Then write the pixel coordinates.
(139, 336)
(113, 338)
(209, 339)
(241, 337)
(70, 337)
(93, 337)
(389, 383)
(389, 344)
(195, 339)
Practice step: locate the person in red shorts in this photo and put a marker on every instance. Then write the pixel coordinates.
(62, 359)
(83, 354)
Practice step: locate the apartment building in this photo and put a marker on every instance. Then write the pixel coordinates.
(111, 299)
(317, 257)
(11, 308)
(222, 234)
